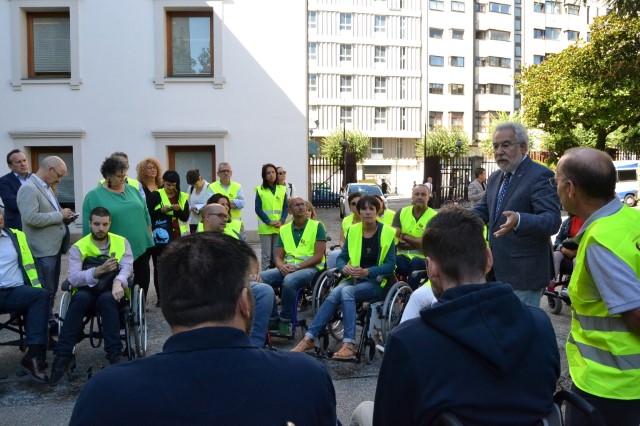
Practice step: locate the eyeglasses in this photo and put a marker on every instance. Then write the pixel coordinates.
(556, 182)
(354, 203)
(59, 175)
(222, 216)
(282, 173)
(224, 171)
(151, 168)
(503, 145)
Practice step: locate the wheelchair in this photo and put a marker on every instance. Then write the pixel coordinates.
(133, 323)
(376, 317)
(555, 418)
(557, 292)
(16, 322)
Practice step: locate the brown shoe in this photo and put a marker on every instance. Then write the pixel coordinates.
(35, 368)
(346, 352)
(305, 345)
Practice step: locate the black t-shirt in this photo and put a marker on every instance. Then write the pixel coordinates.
(370, 250)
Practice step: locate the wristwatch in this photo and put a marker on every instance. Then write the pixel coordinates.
(297, 266)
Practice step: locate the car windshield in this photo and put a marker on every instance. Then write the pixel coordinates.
(365, 189)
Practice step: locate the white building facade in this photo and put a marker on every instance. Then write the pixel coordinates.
(190, 82)
(393, 69)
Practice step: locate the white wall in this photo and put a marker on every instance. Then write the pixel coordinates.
(257, 115)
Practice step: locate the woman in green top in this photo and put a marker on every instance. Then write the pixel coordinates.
(129, 215)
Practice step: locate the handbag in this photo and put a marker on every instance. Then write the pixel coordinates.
(162, 230)
(105, 281)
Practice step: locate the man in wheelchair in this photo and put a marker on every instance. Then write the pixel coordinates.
(94, 288)
(299, 256)
(20, 291)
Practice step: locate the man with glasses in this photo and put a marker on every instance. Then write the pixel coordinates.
(522, 212)
(233, 190)
(299, 256)
(10, 184)
(44, 224)
(214, 218)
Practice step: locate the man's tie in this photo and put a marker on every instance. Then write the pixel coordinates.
(502, 192)
(483, 187)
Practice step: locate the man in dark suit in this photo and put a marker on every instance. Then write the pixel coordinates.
(209, 371)
(522, 211)
(10, 184)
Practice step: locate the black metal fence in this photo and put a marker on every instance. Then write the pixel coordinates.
(325, 181)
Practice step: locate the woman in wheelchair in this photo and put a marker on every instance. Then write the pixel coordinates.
(368, 253)
(562, 249)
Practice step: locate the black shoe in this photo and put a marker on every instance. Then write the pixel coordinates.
(52, 343)
(61, 365)
(53, 329)
(35, 368)
(115, 359)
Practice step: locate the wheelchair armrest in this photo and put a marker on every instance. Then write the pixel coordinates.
(130, 282)
(418, 275)
(580, 403)
(66, 285)
(333, 247)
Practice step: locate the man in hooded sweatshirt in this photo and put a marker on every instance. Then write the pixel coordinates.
(478, 353)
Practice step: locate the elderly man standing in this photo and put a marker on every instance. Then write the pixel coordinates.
(43, 222)
(20, 291)
(478, 187)
(214, 218)
(410, 224)
(208, 371)
(10, 184)
(300, 255)
(522, 212)
(603, 348)
(233, 190)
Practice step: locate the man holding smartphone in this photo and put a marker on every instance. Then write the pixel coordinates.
(100, 288)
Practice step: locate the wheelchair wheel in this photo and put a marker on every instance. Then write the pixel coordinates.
(139, 322)
(321, 288)
(369, 350)
(320, 291)
(62, 310)
(555, 303)
(128, 337)
(394, 305)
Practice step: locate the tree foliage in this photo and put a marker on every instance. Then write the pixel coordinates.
(332, 145)
(623, 7)
(591, 85)
(441, 142)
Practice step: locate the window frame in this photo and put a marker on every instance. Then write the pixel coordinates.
(436, 64)
(312, 24)
(346, 83)
(552, 8)
(30, 15)
(379, 24)
(312, 82)
(436, 88)
(456, 89)
(346, 114)
(376, 148)
(190, 14)
(379, 54)
(457, 117)
(437, 5)
(460, 31)
(380, 115)
(347, 55)
(503, 8)
(573, 32)
(380, 85)
(347, 25)
(458, 5)
(572, 9)
(552, 33)
(434, 32)
(435, 119)
(456, 61)
(494, 33)
(312, 53)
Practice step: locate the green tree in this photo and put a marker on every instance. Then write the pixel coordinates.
(595, 84)
(441, 142)
(623, 7)
(332, 145)
(204, 58)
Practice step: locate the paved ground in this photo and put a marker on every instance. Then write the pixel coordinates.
(23, 402)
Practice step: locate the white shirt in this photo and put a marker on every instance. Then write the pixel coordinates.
(10, 271)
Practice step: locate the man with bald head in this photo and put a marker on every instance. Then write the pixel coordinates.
(603, 348)
(43, 222)
(299, 256)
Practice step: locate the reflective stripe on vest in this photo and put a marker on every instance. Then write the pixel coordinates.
(88, 248)
(28, 263)
(305, 248)
(182, 200)
(603, 353)
(414, 228)
(232, 193)
(272, 206)
(355, 245)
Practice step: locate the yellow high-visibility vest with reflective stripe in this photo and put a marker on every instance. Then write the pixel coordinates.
(603, 353)
(28, 264)
(387, 217)
(414, 228)
(272, 206)
(355, 244)
(231, 193)
(182, 200)
(231, 229)
(305, 249)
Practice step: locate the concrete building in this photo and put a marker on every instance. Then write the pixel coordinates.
(190, 82)
(393, 69)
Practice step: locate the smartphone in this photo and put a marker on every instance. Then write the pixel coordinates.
(74, 216)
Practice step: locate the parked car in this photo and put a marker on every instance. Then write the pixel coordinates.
(323, 197)
(364, 189)
(627, 181)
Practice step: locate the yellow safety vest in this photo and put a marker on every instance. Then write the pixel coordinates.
(232, 193)
(129, 180)
(414, 228)
(272, 206)
(231, 229)
(182, 200)
(346, 223)
(387, 217)
(26, 258)
(305, 249)
(88, 248)
(355, 245)
(603, 353)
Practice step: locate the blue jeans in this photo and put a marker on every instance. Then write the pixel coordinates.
(84, 303)
(529, 297)
(49, 272)
(405, 266)
(264, 298)
(290, 283)
(347, 294)
(35, 301)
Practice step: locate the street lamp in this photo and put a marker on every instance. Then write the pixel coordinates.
(345, 144)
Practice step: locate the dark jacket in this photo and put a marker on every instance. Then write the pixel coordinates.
(9, 186)
(209, 376)
(478, 353)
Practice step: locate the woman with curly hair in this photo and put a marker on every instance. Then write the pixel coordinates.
(149, 173)
(129, 215)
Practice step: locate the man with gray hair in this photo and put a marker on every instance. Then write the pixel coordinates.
(233, 190)
(522, 212)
